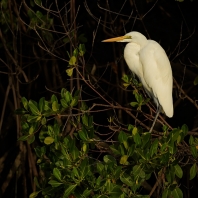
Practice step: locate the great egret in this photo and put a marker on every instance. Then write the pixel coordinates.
(148, 60)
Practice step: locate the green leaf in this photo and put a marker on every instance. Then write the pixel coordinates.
(55, 106)
(184, 129)
(138, 172)
(47, 106)
(178, 171)
(114, 150)
(100, 167)
(57, 173)
(34, 194)
(137, 139)
(175, 135)
(25, 103)
(134, 131)
(41, 104)
(63, 92)
(139, 98)
(130, 127)
(33, 108)
(117, 172)
(69, 71)
(31, 139)
(74, 101)
(125, 78)
(75, 52)
(36, 182)
(75, 173)
(191, 140)
(134, 104)
(193, 151)
(23, 138)
(25, 126)
(166, 193)
(179, 139)
(66, 40)
(31, 130)
(72, 60)
(85, 119)
(74, 153)
(84, 147)
(170, 174)
(86, 193)
(126, 179)
(77, 93)
(83, 135)
(131, 150)
(68, 97)
(40, 151)
(126, 145)
(82, 49)
(108, 185)
(84, 168)
(136, 136)
(145, 138)
(54, 183)
(123, 160)
(48, 140)
(83, 107)
(122, 137)
(121, 149)
(193, 171)
(64, 103)
(20, 111)
(39, 14)
(69, 190)
(56, 129)
(171, 146)
(109, 159)
(126, 84)
(90, 122)
(98, 181)
(196, 79)
(177, 193)
(82, 38)
(141, 153)
(154, 147)
(43, 121)
(54, 98)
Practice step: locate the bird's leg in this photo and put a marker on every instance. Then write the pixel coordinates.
(159, 108)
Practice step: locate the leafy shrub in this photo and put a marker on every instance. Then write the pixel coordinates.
(69, 166)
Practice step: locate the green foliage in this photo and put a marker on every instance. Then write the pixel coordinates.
(79, 51)
(69, 167)
(140, 100)
(69, 163)
(196, 80)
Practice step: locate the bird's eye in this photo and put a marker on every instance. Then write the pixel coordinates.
(128, 37)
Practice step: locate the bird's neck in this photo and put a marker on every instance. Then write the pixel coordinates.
(143, 42)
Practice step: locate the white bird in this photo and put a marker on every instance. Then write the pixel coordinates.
(148, 60)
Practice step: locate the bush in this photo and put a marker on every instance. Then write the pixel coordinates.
(70, 167)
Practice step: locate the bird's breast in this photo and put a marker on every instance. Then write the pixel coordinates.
(131, 56)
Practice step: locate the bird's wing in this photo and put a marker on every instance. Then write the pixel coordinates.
(157, 74)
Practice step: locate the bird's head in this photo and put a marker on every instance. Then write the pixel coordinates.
(134, 37)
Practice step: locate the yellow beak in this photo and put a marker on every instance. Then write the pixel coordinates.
(120, 38)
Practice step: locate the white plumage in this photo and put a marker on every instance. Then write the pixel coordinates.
(148, 60)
